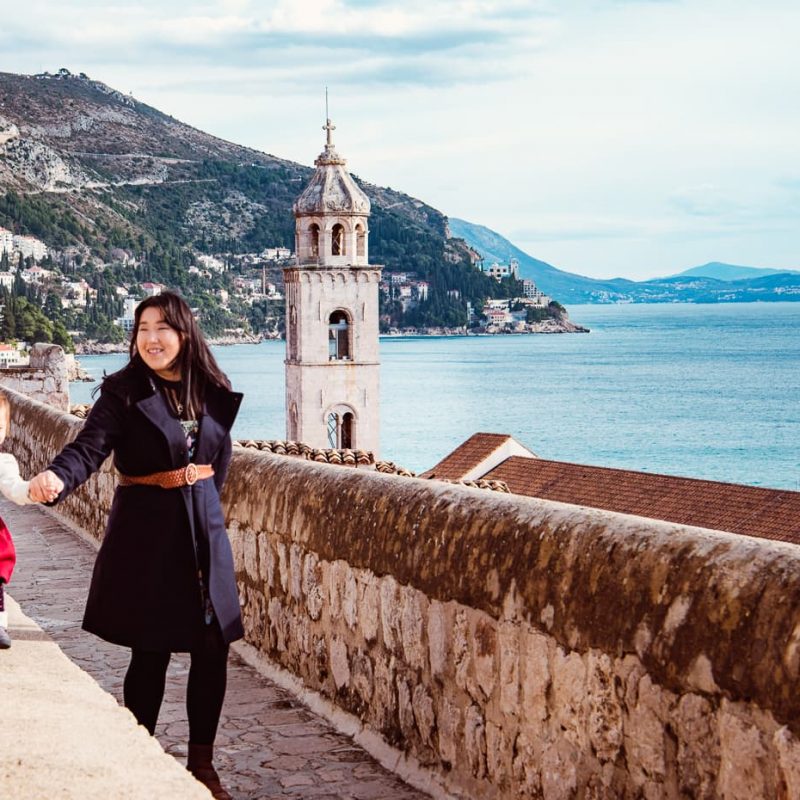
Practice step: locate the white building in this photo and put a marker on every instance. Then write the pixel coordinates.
(125, 322)
(30, 247)
(36, 274)
(211, 263)
(532, 293)
(11, 356)
(500, 271)
(7, 279)
(332, 361)
(151, 289)
(6, 241)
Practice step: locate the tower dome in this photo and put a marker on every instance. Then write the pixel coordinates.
(331, 189)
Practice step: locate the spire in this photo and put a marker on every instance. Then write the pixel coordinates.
(330, 156)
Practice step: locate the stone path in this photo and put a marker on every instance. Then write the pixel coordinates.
(269, 745)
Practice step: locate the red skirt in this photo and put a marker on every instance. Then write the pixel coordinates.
(8, 556)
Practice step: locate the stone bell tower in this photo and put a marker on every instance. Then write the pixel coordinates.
(332, 362)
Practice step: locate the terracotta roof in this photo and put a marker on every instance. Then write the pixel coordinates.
(349, 458)
(749, 510)
(467, 456)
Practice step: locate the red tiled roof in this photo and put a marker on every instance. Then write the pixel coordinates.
(749, 510)
(467, 456)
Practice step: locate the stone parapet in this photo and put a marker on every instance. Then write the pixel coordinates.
(45, 378)
(519, 648)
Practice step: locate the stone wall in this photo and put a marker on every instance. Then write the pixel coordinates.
(45, 379)
(519, 648)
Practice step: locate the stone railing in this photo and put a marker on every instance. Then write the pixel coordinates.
(517, 648)
(46, 378)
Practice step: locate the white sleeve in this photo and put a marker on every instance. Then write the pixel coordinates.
(11, 484)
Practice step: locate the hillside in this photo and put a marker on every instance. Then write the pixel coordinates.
(99, 176)
(711, 283)
(729, 272)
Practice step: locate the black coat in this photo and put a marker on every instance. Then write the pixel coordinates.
(145, 590)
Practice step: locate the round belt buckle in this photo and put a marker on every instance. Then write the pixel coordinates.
(191, 474)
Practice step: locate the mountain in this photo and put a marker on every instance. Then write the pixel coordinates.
(99, 176)
(704, 284)
(566, 286)
(729, 272)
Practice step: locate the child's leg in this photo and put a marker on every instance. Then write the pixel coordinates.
(3, 612)
(5, 639)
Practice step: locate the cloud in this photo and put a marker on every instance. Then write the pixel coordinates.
(287, 44)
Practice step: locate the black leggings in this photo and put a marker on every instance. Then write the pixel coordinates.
(143, 689)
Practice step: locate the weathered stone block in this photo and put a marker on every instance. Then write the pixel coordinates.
(249, 544)
(475, 741)
(569, 696)
(450, 733)
(312, 588)
(498, 754)
(350, 598)
(438, 625)
(535, 676)
(390, 613)
(698, 755)
(605, 712)
(283, 565)
(424, 715)
(369, 606)
(644, 734)
(362, 676)
(742, 757)
(339, 663)
(295, 572)
(508, 646)
(412, 616)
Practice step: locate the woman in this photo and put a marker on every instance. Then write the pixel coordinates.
(164, 578)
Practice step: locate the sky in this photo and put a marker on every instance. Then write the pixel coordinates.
(631, 138)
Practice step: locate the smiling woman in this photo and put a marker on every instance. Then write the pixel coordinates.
(164, 580)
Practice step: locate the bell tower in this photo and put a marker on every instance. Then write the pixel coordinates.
(332, 361)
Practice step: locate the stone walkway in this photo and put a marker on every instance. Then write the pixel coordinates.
(269, 745)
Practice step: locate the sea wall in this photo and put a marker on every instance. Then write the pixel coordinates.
(45, 378)
(518, 648)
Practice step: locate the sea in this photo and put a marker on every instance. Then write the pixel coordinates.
(706, 391)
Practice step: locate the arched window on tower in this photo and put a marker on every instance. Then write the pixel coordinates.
(346, 432)
(339, 336)
(333, 430)
(337, 240)
(341, 429)
(313, 240)
(361, 241)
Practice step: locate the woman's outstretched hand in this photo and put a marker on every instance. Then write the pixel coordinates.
(45, 487)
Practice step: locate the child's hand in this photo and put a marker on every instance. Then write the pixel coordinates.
(45, 487)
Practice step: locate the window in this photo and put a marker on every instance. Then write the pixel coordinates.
(337, 242)
(361, 241)
(346, 437)
(313, 240)
(338, 337)
(333, 430)
(341, 430)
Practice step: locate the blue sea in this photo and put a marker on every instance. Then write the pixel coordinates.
(708, 391)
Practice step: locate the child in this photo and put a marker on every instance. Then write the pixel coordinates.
(16, 489)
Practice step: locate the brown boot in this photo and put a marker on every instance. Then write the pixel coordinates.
(199, 764)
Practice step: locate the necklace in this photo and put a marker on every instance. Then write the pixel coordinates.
(176, 405)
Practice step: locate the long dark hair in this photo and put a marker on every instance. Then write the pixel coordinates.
(196, 363)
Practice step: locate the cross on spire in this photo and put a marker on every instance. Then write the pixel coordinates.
(329, 126)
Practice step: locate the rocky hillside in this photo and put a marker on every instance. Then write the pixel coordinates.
(87, 167)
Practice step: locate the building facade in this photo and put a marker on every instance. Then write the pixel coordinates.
(332, 360)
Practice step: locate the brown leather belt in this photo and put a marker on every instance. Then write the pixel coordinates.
(171, 479)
